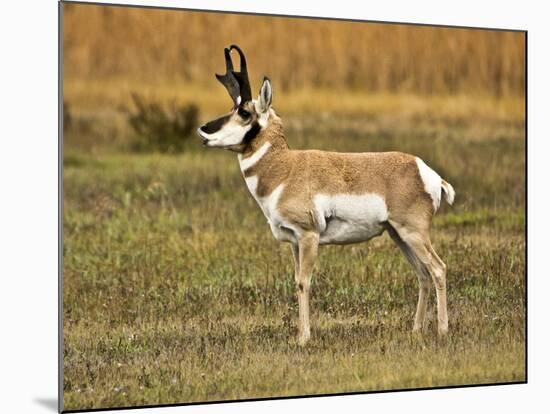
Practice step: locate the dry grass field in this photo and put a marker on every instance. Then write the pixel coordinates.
(175, 290)
(151, 45)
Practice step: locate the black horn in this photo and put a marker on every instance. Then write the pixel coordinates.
(242, 75)
(229, 80)
(236, 83)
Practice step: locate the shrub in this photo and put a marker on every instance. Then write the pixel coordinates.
(161, 127)
(67, 116)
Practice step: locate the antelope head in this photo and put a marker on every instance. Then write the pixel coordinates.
(248, 116)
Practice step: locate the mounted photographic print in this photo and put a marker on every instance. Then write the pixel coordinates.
(259, 207)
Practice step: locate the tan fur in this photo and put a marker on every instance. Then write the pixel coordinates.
(393, 175)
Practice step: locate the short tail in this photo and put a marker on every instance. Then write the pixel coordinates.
(449, 191)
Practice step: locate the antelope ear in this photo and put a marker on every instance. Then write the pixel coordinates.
(266, 96)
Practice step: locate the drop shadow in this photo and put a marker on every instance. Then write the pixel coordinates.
(49, 403)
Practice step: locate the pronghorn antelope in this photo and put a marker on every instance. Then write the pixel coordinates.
(312, 197)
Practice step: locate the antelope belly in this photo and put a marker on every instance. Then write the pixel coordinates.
(349, 218)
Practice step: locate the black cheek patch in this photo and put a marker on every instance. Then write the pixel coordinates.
(252, 132)
(215, 125)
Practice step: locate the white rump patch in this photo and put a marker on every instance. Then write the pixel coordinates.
(248, 162)
(347, 218)
(432, 182)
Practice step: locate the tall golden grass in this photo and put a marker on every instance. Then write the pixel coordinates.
(153, 45)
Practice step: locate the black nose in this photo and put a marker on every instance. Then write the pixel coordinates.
(215, 125)
(201, 131)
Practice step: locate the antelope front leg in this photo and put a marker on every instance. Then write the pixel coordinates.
(307, 253)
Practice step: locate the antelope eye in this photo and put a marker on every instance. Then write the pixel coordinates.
(243, 113)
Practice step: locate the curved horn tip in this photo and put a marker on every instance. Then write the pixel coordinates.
(241, 53)
(228, 61)
(242, 57)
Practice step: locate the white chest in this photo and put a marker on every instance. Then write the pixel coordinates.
(281, 230)
(268, 204)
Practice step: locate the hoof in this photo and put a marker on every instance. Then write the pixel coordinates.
(418, 330)
(417, 333)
